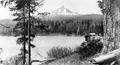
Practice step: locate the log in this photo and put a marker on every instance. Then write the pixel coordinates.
(107, 58)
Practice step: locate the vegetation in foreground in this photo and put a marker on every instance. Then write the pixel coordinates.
(59, 52)
(79, 54)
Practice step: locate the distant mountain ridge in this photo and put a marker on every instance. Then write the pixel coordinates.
(6, 25)
(63, 11)
(78, 17)
(10, 23)
(7, 22)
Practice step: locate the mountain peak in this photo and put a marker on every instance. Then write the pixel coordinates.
(63, 11)
(62, 7)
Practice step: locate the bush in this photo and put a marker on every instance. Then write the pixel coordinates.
(59, 52)
(88, 49)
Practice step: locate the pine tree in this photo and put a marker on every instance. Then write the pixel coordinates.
(23, 10)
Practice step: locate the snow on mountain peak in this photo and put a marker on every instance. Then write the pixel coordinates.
(63, 11)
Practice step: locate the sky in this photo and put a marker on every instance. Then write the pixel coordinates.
(80, 6)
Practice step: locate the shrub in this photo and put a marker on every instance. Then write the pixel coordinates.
(88, 49)
(59, 52)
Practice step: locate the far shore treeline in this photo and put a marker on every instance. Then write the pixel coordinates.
(79, 25)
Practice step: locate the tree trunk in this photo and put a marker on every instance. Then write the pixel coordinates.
(24, 42)
(111, 25)
(29, 33)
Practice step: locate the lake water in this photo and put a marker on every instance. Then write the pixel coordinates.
(43, 44)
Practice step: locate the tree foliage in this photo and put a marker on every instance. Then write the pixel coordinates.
(23, 9)
(88, 49)
(101, 5)
(71, 27)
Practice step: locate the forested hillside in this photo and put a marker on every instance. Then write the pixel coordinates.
(63, 25)
(6, 27)
(73, 25)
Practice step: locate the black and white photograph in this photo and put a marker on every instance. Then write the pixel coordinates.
(59, 32)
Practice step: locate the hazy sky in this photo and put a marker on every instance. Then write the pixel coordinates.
(80, 6)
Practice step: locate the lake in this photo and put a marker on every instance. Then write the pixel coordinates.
(43, 44)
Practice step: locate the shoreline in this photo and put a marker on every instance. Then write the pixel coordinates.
(71, 35)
